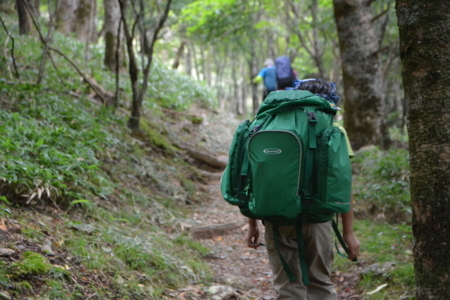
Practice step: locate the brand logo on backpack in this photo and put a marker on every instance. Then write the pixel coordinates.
(272, 151)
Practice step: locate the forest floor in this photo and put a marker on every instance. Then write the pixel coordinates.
(246, 270)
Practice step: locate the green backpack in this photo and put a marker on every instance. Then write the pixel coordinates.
(290, 165)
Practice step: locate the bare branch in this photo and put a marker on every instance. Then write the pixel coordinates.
(79, 72)
(12, 48)
(381, 14)
(160, 25)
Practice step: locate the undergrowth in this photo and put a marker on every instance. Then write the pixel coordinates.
(381, 184)
(108, 202)
(383, 225)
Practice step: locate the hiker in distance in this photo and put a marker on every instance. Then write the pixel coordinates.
(268, 76)
(276, 76)
(283, 246)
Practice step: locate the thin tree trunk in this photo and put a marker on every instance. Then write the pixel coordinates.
(24, 18)
(139, 91)
(253, 71)
(188, 60)
(243, 87)
(48, 39)
(194, 59)
(425, 54)
(113, 36)
(178, 56)
(235, 104)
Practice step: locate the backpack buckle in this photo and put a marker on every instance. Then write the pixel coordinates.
(312, 117)
(307, 198)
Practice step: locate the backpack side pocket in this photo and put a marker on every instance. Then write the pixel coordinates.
(333, 174)
(230, 180)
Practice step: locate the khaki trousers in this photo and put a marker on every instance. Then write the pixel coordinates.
(319, 257)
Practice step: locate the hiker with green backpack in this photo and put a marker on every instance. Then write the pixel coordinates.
(290, 168)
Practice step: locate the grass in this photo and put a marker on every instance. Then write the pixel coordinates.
(382, 243)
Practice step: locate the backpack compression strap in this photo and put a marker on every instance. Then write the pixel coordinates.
(307, 192)
(301, 254)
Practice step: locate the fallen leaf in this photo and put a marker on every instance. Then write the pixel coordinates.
(377, 289)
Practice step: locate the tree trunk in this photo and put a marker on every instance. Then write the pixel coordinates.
(113, 51)
(65, 16)
(139, 90)
(37, 7)
(85, 26)
(24, 17)
(188, 60)
(253, 68)
(243, 87)
(425, 54)
(362, 74)
(178, 56)
(235, 102)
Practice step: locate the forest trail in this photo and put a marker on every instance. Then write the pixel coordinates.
(234, 264)
(246, 271)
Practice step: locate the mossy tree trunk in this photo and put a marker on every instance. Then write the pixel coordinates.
(78, 17)
(65, 16)
(114, 52)
(424, 49)
(85, 23)
(362, 74)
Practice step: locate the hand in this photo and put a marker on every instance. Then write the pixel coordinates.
(252, 235)
(352, 244)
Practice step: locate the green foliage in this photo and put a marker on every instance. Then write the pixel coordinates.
(147, 259)
(32, 264)
(50, 151)
(175, 90)
(185, 241)
(382, 243)
(5, 279)
(381, 183)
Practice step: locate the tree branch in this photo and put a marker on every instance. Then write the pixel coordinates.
(12, 48)
(79, 72)
(381, 14)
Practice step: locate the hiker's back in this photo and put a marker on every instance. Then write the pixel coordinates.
(283, 167)
(270, 79)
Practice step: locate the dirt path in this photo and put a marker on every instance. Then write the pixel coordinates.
(231, 258)
(246, 270)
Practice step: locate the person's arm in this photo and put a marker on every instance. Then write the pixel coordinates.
(348, 234)
(258, 78)
(252, 235)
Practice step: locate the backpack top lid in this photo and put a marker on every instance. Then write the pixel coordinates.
(283, 64)
(285, 99)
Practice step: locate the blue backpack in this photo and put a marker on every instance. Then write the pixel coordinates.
(285, 73)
